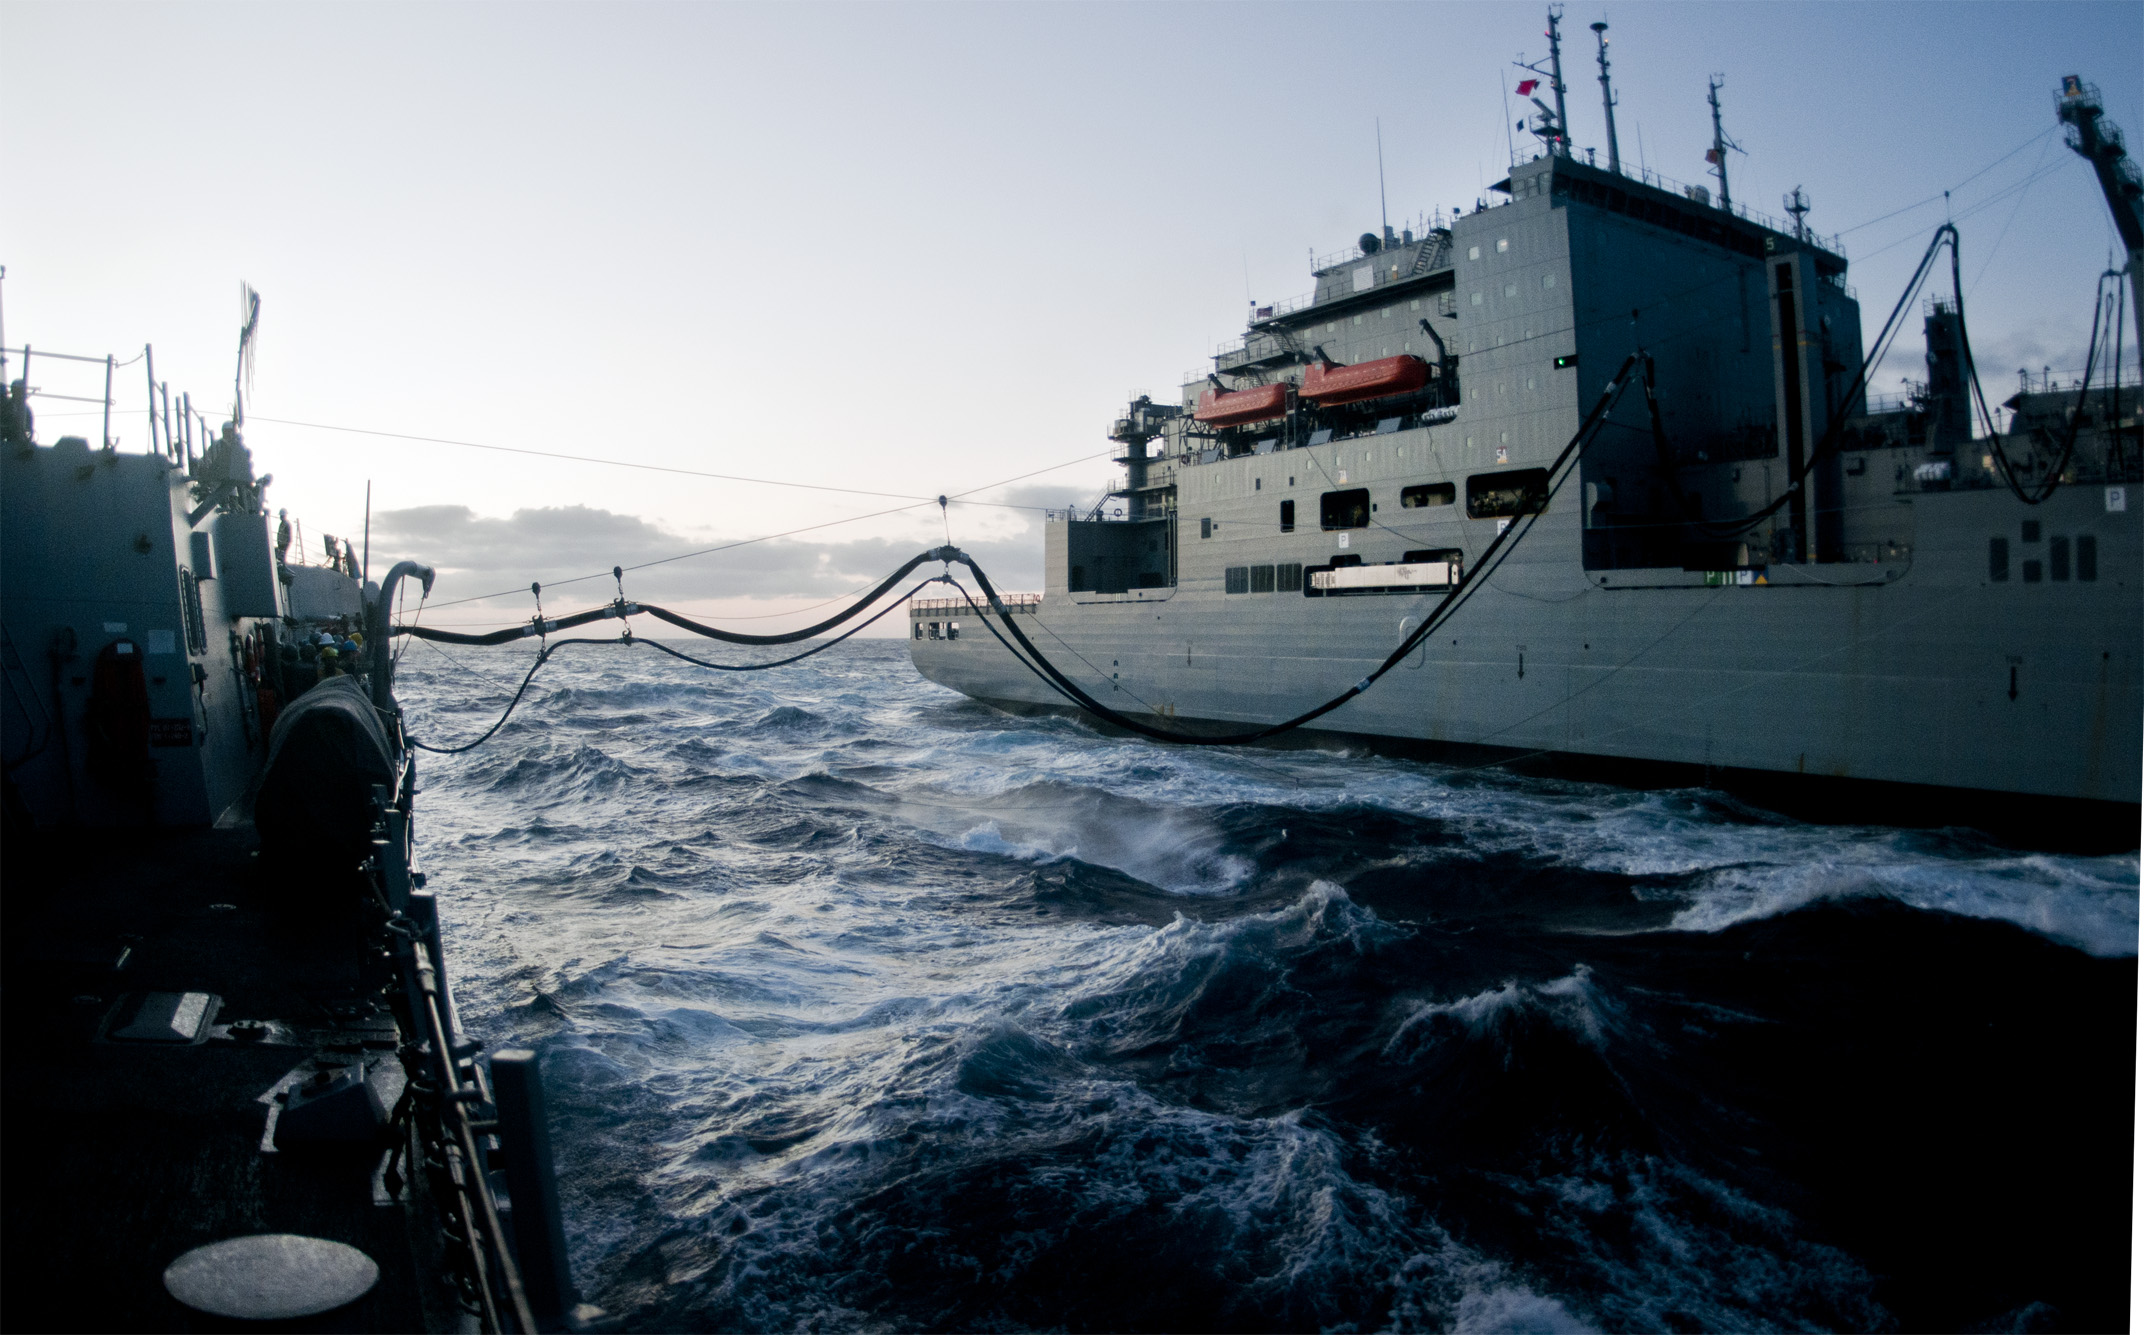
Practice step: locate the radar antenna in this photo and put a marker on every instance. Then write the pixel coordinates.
(1797, 204)
(1615, 159)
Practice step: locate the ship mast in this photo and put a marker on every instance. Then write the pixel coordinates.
(1720, 144)
(1615, 159)
(1555, 128)
(1555, 77)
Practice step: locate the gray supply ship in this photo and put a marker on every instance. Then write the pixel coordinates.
(237, 1086)
(1764, 572)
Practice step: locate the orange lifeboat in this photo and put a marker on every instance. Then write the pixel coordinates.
(1235, 407)
(1326, 384)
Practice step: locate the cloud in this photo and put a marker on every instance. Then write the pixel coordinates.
(478, 555)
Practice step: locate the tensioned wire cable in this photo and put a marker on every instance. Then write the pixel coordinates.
(808, 528)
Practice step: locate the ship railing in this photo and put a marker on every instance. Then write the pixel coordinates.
(469, 1123)
(174, 440)
(1092, 514)
(1028, 603)
(1646, 176)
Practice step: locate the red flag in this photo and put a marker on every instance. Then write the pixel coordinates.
(1528, 86)
(1712, 155)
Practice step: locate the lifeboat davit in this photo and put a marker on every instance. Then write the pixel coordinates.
(1326, 384)
(1235, 407)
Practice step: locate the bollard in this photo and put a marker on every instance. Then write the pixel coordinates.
(525, 1159)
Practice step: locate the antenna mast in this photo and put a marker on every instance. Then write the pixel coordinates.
(1555, 77)
(249, 308)
(1554, 128)
(1615, 159)
(1384, 224)
(1720, 143)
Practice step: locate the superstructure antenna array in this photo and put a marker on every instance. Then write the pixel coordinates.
(1615, 159)
(1553, 127)
(1797, 205)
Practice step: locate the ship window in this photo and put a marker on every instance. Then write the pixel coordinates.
(1476, 298)
(1502, 244)
(1998, 559)
(1548, 280)
(1237, 579)
(1205, 528)
(2058, 558)
(1288, 577)
(1473, 252)
(2087, 557)
(1358, 319)
(1287, 516)
(1387, 311)
(919, 630)
(1498, 495)
(952, 630)
(1427, 494)
(934, 630)
(1415, 305)
(1344, 509)
(1511, 289)
(1261, 579)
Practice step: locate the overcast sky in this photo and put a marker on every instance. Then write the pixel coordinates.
(902, 249)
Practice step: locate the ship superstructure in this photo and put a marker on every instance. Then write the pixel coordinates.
(1750, 565)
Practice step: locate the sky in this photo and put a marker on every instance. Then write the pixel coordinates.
(898, 250)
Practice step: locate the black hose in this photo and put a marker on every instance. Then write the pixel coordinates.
(1491, 558)
(1033, 659)
(629, 641)
(793, 636)
(796, 658)
(622, 608)
(541, 658)
(1829, 443)
(2047, 487)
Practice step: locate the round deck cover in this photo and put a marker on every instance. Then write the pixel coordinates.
(270, 1277)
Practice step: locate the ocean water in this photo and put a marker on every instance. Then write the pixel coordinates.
(862, 1005)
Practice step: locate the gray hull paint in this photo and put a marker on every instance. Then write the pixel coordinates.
(1907, 680)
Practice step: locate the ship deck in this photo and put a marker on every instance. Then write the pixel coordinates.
(122, 1156)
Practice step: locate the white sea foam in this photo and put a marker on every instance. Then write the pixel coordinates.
(2089, 903)
(768, 959)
